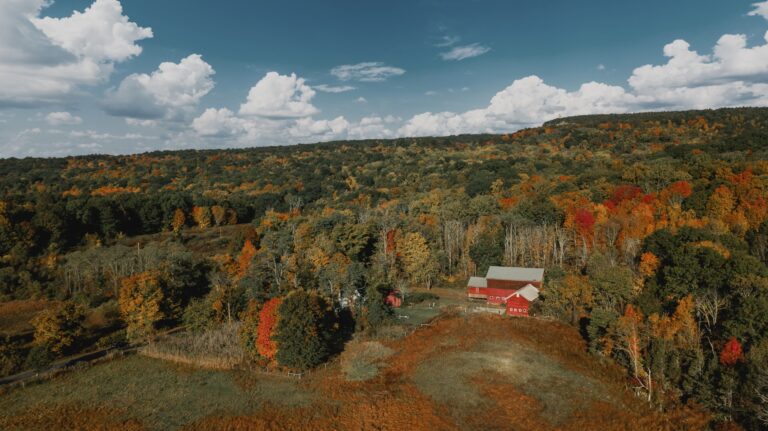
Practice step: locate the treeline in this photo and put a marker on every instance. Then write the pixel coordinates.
(653, 230)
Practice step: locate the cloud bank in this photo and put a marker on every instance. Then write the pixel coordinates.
(46, 60)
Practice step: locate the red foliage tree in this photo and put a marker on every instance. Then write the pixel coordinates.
(584, 220)
(391, 243)
(731, 353)
(682, 189)
(265, 345)
(625, 193)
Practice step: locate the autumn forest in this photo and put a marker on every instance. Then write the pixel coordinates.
(652, 229)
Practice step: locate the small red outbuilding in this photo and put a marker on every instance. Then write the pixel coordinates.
(393, 299)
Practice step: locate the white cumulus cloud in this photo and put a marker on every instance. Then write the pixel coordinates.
(62, 119)
(101, 32)
(759, 9)
(279, 96)
(218, 123)
(170, 92)
(45, 60)
(373, 71)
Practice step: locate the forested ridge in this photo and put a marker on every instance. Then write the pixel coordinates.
(653, 229)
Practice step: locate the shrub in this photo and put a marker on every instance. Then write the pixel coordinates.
(249, 329)
(199, 316)
(113, 340)
(11, 357)
(38, 358)
(104, 316)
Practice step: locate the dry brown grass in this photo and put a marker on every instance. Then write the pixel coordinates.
(70, 417)
(15, 315)
(593, 395)
(217, 349)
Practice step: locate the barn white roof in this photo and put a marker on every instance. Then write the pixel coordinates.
(477, 282)
(529, 292)
(513, 273)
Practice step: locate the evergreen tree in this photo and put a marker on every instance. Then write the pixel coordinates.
(304, 330)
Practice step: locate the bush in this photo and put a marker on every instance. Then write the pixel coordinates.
(38, 358)
(362, 361)
(106, 315)
(11, 357)
(116, 339)
(249, 329)
(199, 316)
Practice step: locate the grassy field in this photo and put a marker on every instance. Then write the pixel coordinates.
(478, 372)
(153, 392)
(16, 315)
(423, 312)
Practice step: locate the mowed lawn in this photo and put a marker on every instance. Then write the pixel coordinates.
(155, 393)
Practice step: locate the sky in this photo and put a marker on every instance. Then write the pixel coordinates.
(121, 77)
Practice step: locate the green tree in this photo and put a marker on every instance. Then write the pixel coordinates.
(376, 312)
(488, 250)
(304, 330)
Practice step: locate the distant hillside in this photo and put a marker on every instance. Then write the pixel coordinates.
(711, 115)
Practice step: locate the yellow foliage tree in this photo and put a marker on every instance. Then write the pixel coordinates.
(140, 299)
(179, 219)
(202, 216)
(577, 293)
(417, 259)
(59, 328)
(719, 207)
(219, 214)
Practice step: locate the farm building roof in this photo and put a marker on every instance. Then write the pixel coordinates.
(477, 282)
(529, 292)
(513, 273)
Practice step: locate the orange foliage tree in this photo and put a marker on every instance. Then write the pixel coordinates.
(202, 216)
(179, 219)
(245, 258)
(649, 263)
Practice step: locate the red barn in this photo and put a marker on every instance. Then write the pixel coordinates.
(476, 287)
(514, 288)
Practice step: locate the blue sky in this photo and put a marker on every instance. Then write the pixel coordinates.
(85, 76)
